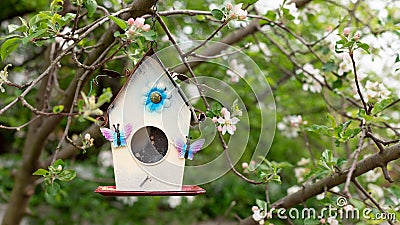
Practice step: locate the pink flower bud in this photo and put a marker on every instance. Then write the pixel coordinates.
(139, 22)
(242, 14)
(245, 165)
(219, 128)
(131, 31)
(224, 110)
(322, 221)
(254, 208)
(214, 119)
(146, 27)
(229, 6)
(346, 31)
(357, 36)
(131, 21)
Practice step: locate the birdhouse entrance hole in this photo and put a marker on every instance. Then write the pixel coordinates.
(149, 145)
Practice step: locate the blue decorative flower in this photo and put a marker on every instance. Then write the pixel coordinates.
(157, 98)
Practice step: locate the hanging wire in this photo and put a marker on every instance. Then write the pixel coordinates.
(94, 80)
(153, 44)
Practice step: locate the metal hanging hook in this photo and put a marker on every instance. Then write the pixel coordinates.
(153, 44)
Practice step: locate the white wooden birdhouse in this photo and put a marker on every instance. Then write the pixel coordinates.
(148, 118)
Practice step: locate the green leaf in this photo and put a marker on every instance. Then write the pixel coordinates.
(310, 221)
(200, 17)
(9, 46)
(331, 120)
(34, 35)
(12, 28)
(91, 6)
(329, 66)
(251, 2)
(218, 14)
(33, 22)
(341, 161)
(66, 19)
(380, 106)
(53, 189)
(338, 83)
(321, 129)
(364, 46)
(80, 105)
(56, 5)
(58, 108)
(271, 15)
(286, 13)
(67, 175)
(216, 108)
(262, 204)
(150, 35)
(117, 34)
(9, 36)
(327, 155)
(23, 21)
(59, 162)
(105, 97)
(40, 172)
(121, 23)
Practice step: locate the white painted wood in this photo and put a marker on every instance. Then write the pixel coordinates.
(174, 121)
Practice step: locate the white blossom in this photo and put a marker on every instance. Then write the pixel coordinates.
(303, 161)
(375, 91)
(371, 176)
(376, 191)
(4, 77)
(105, 159)
(293, 189)
(345, 65)
(174, 201)
(227, 124)
(332, 221)
(236, 70)
(290, 125)
(313, 78)
(300, 172)
(127, 200)
(320, 196)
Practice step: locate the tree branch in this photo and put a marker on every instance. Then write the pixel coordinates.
(377, 160)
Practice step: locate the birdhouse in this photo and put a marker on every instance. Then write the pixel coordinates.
(148, 121)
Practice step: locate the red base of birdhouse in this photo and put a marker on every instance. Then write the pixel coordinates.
(187, 190)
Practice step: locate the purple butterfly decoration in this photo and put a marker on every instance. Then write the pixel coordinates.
(187, 150)
(117, 137)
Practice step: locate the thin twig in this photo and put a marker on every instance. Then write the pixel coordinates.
(308, 147)
(365, 192)
(76, 20)
(231, 166)
(208, 39)
(355, 157)
(184, 59)
(20, 126)
(227, 211)
(357, 83)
